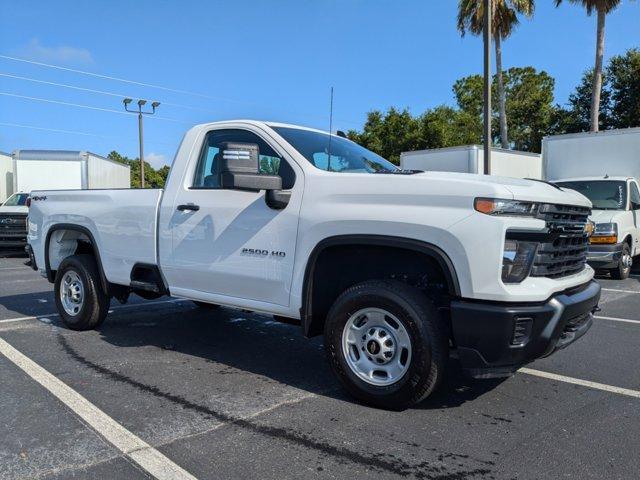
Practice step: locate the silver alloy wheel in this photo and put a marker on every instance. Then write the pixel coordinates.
(71, 293)
(627, 261)
(376, 346)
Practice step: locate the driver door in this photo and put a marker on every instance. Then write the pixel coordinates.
(231, 243)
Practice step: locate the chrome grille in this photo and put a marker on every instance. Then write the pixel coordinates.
(565, 253)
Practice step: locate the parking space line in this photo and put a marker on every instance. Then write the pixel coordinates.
(147, 457)
(614, 319)
(619, 290)
(117, 307)
(584, 383)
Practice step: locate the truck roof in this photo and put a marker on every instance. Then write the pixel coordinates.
(263, 123)
(601, 133)
(60, 155)
(52, 154)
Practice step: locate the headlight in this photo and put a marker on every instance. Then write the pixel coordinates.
(517, 259)
(495, 206)
(605, 233)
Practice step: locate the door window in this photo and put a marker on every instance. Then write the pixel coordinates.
(635, 194)
(208, 168)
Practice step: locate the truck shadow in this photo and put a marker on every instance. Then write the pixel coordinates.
(238, 343)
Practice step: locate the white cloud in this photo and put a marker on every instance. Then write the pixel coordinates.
(63, 54)
(156, 160)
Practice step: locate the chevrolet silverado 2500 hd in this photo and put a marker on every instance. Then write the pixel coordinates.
(396, 267)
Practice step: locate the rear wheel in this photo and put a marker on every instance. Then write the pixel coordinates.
(384, 342)
(81, 302)
(623, 270)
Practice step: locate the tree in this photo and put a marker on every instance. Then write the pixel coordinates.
(153, 178)
(602, 7)
(388, 134)
(528, 104)
(623, 74)
(505, 19)
(445, 126)
(469, 94)
(580, 102)
(619, 105)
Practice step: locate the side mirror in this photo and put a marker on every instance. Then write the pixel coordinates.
(635, 206)
(278, 199)
(240, 169)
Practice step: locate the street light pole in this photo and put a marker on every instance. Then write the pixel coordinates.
(141, 141)
(487, 85)
(141, 103)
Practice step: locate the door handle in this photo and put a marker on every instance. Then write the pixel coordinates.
(189, 206)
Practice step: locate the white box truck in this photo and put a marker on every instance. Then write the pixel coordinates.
(605, 167)
(51, 170)
(66, 170)
(6, 176)
(470, 159)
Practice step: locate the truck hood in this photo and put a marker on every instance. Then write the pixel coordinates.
(605, 216)
(17, 209)
(520, 189)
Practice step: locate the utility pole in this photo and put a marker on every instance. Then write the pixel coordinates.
(141, 103)
(487, 85)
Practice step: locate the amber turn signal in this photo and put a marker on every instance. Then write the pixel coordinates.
(609, 239)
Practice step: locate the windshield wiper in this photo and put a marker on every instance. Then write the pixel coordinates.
(399, 172)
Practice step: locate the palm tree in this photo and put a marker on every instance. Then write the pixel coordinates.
(505, 19)
(602, 7)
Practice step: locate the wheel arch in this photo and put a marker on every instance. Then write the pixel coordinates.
(313, 321)
(82, 231)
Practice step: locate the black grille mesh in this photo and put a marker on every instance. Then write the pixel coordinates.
(12, 226)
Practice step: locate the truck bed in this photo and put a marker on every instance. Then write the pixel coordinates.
(121, 222)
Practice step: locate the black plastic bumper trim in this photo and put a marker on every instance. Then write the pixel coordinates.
(483, 331)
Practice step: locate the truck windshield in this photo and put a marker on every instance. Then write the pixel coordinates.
(346, 156)
(16, 200)
(604, 194)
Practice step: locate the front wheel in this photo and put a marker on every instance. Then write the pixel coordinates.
(81, 302)
(623, 270)
(384, 342)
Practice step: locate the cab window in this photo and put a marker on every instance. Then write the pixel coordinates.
(208, 169)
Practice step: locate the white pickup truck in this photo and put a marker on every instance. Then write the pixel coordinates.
(396, 267)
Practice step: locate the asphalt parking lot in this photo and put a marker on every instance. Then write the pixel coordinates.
(229, 394)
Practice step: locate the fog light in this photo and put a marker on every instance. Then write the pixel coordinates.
(517, 259)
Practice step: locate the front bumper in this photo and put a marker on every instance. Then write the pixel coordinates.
(604, 256)
(494, 339)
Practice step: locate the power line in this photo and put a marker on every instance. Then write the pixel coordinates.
(73, 132)
(100, 92)
(77, 105)
(108, 77)
(161, 87)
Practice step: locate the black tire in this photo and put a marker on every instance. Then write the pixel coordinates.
(205, 305)
(622, 272)
(95, 304)
(421, 321)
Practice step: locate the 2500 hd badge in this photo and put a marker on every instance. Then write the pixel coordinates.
(263, 253)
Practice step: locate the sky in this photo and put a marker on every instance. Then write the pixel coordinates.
(260, 59)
